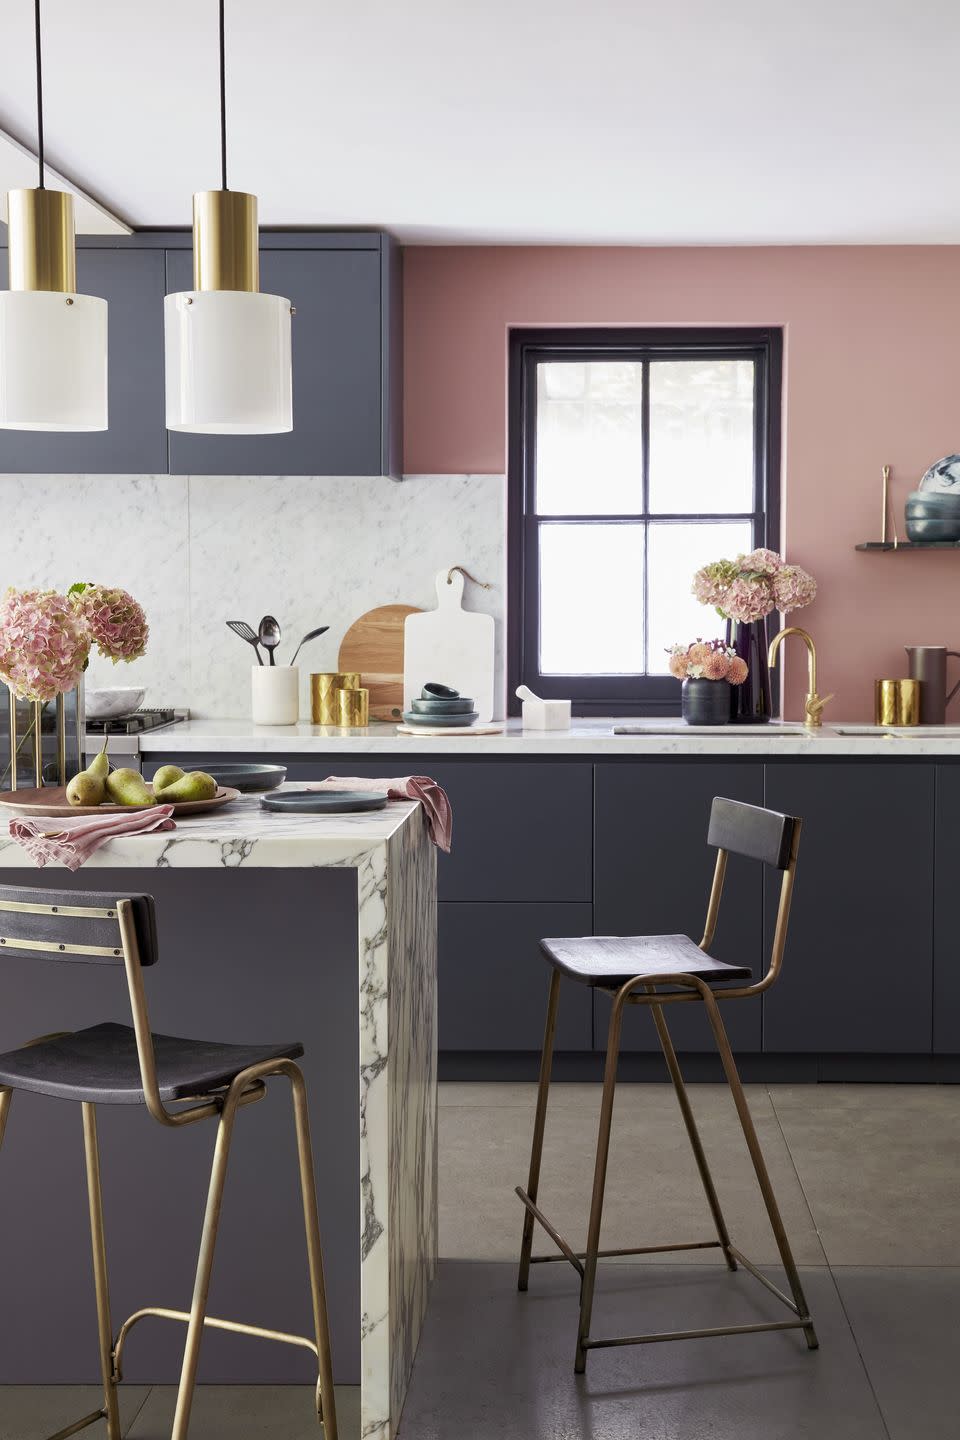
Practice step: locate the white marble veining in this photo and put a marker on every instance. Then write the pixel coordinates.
(200, 550)
(395, 863)
(585, 737)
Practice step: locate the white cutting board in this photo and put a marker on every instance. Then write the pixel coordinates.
(450, 645)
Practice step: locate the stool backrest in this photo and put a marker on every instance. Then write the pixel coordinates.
(75, 925)
(758, 834)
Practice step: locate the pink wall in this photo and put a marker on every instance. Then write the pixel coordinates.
(871, 376)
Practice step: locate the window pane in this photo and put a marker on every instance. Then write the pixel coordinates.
(701, 436)
(591, 599)
(589, 438)
(674, 552)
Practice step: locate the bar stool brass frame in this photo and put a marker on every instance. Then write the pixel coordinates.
(691, 988)
(246, 1088)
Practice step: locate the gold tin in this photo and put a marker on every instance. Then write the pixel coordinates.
(324, 688)
(897, 702)
(353, 705)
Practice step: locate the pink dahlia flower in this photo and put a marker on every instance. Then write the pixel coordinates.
(44, 644)
(738, 670)
(716, 666)
(115, 620)
(793, 588)
(698, 652)
(678, 665)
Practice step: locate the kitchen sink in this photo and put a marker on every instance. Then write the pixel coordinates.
(731, 732)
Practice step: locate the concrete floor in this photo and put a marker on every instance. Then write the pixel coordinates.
(867, 1178)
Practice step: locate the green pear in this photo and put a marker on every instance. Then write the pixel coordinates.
(99, 767)
(165, 776)
(86, 789)
(128, 787)
(196, 785)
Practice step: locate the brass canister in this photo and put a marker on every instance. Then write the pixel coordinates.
(324, 689)
(897, 702)
(353, 705)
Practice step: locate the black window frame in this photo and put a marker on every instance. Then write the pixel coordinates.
(620, 694)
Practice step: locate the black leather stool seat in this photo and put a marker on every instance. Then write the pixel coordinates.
(100, 1065)
(614, 959)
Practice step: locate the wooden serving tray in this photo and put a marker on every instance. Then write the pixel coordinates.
(52, 800)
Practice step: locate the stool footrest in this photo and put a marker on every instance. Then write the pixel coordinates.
(660, 1335)
(79, 1425)
(637, 1250)
(236, 1327)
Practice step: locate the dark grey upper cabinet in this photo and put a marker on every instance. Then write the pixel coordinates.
(132, 283)
(343, 421)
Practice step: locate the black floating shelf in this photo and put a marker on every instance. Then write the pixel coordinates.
(910, 545)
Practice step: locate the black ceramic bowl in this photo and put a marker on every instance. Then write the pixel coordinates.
(925, 532)
(248, 778)
(442, 707)
(440, 721)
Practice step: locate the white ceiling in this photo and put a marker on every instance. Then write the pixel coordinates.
(580, 121)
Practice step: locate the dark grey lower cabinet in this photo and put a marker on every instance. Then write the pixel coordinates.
(857, 973)
(946, 929)
(653, 871)
(493, 979)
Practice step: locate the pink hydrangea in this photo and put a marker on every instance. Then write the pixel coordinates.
(710, 584)
(760, 562)
(793, 588)
(115, 620)
(748, 600)
(44, 644)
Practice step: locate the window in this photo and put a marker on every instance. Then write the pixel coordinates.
(635, 457)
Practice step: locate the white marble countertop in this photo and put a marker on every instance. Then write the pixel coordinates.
(585, 738)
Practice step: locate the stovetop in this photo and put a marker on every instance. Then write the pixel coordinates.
(135, 723)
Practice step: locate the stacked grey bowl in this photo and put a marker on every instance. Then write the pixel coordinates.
(933, 511)
(441, 706)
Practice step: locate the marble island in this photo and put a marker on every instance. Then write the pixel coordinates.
(323, 928)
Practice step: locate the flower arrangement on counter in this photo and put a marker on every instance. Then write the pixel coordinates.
(707, 660)
(46, 637)
(751, 586)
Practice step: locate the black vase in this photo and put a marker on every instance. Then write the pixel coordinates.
(750, 702)
(706, 702)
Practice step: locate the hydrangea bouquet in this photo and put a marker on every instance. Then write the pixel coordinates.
(750, 587)
(46, 638)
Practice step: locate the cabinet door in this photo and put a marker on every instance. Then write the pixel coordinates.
(857, 973)
(493, 978)
(132, 283)
(336, 371)
(653, 874)
(946, 933)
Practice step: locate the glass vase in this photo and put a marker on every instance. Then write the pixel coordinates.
(41, 743)
(750, 703)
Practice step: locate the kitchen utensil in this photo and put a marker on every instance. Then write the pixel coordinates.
(269, 635)
(374, 646)
(353, 707)
(928, 664)
(452, 642)
(275, 695)
(247, 778)
(541, 714)
(436, 730)
(108, 704)
(439, 722)
(246, 632)
(460, 706)
(897, 702)
(323, 694)
(52, 800)
(323, 802)
(310, 635)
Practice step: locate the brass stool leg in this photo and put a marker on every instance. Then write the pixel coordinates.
(696, 1145)
(759, 1164)
(326, 1402)
(6, 1096)
(599, 1183)
(111, 1408)
(201, 1290)
(539, 1125)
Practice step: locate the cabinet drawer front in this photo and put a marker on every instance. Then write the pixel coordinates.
(493, 979)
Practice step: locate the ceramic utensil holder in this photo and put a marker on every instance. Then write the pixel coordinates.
(324, 688)
(546, 714)
(353, 707)
(275, 692)
(897, 702)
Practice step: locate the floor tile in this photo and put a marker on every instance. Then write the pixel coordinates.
(880, 1168)
(31, 1412)
(496, 1365)
(654, 1194)
(907, 1324)
(248, 1412)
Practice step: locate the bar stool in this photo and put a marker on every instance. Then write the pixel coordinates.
(630, 970)
(115, 1065)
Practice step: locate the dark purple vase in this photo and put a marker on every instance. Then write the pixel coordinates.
(750, 702)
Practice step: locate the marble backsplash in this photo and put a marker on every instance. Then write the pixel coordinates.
(199, 550)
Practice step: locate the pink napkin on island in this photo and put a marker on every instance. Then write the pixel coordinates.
(433, 798)
(72, 842)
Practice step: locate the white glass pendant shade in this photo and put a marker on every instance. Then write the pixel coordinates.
(228, 362)
(53, 361)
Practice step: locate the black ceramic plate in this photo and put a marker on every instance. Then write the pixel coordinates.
(248, 778)
(323, 802)
(410, 717)
(441, 707)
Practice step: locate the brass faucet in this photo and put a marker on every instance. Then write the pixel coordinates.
(813, 704)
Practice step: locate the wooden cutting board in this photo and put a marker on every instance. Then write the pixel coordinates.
(453, 646)
(374, 646)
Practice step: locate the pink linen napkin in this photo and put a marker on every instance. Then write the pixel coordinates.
(72, 842)
(433, 798)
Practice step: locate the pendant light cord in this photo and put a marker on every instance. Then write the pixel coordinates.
(36, 14)
(223, 102)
